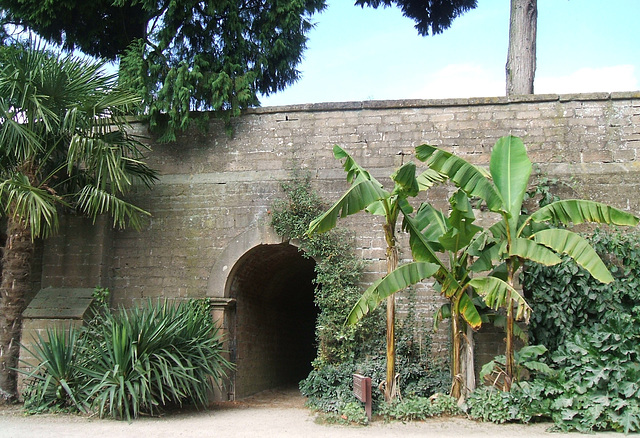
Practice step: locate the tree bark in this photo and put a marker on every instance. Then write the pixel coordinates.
(390, 389)
(456, 372)
(469, 363)
(15, 285)
(509, 350)
(521, 58)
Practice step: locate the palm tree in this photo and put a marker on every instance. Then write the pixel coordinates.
(64, 144)
(518, 237)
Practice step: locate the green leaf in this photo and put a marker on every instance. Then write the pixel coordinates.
(364, 192)
(494, 292)
(467, 309)
(432, 222)
(406, 182)
(397, 280)
(576, 247)
(429, 178)
(530, 250)
(510, 169)
(420, 246)
(464, 174)
(578, 211)
(444, 312)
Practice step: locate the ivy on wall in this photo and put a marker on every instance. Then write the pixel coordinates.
(338, 273)
(344, 349)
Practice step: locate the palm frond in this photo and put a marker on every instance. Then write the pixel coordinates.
(94, 202)
(35, 206)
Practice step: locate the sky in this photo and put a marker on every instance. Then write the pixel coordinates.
(356, 54)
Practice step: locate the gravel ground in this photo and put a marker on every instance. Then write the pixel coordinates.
(275, 413)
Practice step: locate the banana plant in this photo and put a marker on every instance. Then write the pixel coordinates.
(458, 239)
(367, 194)
(518, 237)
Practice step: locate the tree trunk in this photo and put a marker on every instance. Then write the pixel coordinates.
(508, 379)
(390, 389)
(468, 363)
(521, 58)
(15, 285)
(456, 373)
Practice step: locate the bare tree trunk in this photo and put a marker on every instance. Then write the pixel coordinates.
(521, 58)
(456, 338)
(390, 389)
(509, 350)
(15, 285)
(469, 369)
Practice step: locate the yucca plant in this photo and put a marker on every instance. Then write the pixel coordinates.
(148, 358)
(56, 383)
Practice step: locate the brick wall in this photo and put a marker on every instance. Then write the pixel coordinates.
(214, 189)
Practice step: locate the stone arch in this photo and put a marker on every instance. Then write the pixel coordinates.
(269, 312)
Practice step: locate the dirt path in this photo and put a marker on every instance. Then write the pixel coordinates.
(276, 413)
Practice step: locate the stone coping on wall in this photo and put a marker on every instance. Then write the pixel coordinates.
(425, 103)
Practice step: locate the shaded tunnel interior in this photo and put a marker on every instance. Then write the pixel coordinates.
(273, 332)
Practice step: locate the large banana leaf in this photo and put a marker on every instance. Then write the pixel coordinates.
(530, 250)
(406, 182)
(432, 223)
(510, 169)
(494, 292)
(421, 248)
(464, 174)
(397, 280)
(578, 211)
(576, 247)
(362, 193)
(350, 166)
(469, 312)
(429, 178)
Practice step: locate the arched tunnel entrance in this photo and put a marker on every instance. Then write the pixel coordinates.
(273, 329)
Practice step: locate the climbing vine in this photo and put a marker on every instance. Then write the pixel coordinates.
(338, 272)
(345, 349)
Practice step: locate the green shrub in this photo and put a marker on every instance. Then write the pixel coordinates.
(565, 298)
(159, 355)
(420, 408)
(354, 412)
(57, 383)
(135, 361)
(598, 385)
(593, 333)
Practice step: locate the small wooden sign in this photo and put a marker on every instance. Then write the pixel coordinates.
(362, 391)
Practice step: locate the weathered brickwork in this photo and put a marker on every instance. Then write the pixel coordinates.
(215, 189)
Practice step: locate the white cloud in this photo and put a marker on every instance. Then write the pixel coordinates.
(461, 80)
(586, 80)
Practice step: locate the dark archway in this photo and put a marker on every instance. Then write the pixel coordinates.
(273, 332)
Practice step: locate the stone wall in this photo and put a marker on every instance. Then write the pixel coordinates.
(212, 203)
